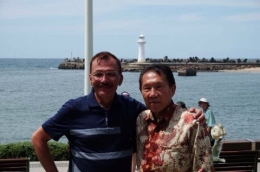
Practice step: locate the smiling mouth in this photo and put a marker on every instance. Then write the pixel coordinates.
(105, 86)
(154, 102)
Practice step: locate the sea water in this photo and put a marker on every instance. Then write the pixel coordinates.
(32, 90)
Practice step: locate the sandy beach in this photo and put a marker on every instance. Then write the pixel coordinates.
(250, 70)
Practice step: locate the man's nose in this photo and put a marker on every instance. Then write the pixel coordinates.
(153, 92)
(104, 77)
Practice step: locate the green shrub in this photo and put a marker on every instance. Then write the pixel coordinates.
(58, 151)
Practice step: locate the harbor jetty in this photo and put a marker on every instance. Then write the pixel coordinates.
(187, 72)
(196, 64)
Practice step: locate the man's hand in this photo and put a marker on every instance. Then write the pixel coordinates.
(198, 115)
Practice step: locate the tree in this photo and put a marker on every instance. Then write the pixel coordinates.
(227, 59)
(165, 59)
(212, 60)
(197, 59)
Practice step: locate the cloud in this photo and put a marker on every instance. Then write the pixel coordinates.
(244, 17)
(105, 6)
(117, 26)
(15, 9)
(229, 3)
(29, 16)
(33, 9)
(190, 17)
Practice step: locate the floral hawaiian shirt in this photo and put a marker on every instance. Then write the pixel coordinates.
(176, 142)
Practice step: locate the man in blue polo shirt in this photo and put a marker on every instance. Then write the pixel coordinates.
(99, 126)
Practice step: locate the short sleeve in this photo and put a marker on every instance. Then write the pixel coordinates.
(58, 125)
(211, 119)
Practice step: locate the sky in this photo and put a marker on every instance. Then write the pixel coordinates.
(173, 28)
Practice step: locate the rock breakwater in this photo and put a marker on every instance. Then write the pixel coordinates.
(137, 67)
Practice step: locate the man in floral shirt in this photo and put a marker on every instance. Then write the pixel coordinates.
(168, 136)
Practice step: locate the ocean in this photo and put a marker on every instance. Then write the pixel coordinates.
(32, 90)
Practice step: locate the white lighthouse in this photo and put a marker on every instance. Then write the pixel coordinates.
(141, 41)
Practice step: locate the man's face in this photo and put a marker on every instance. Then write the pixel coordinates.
(156, 92)
(105, 78)
(203, 105)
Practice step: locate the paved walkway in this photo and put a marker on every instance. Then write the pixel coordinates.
(35, 166)
(63, 166)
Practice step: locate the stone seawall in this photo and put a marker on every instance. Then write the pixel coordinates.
(137, 67)
(71, 65)
(206, 67)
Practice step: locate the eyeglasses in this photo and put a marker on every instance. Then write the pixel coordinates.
(108, 74)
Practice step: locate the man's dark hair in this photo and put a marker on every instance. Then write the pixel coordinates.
(161, 70)
(104, 55)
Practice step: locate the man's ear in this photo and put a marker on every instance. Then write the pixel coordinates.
(173, 89)
(90, 79)
(121, 78)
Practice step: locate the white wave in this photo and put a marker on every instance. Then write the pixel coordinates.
(53, 68)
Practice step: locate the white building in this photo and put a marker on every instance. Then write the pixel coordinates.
(141, 55)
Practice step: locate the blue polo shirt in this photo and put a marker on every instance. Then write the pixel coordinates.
(100, 140)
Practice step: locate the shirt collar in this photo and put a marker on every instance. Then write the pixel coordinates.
(92, 102)
(166, 114)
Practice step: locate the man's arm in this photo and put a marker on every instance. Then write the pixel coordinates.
(133, 162)
(39, 141)
(208, 129)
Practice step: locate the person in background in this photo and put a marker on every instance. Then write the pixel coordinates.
(182, 104)
(125, 93)
(100, 126)
(204, 104)
(168, 136)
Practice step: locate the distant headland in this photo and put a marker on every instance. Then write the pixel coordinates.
(205, 65)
